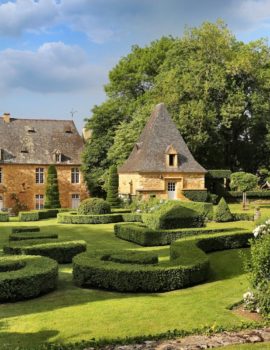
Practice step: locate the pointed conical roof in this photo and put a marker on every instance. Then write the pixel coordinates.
(159, 135)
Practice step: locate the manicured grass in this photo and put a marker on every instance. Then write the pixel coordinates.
(72, 314)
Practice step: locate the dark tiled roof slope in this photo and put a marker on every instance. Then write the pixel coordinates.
(149, 153)
(35, 141)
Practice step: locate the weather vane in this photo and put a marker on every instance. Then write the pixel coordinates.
(72, 112)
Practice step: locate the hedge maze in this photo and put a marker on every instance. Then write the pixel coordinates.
(188, 265)
(25, 277)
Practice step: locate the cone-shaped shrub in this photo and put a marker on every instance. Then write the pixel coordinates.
(223, 213)
(52, 191)
(113, 183)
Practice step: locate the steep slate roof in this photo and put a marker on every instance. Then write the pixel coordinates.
(148, 154)
(35, 141)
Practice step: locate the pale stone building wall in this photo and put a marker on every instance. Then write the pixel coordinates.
(21, 180)
(148, 184)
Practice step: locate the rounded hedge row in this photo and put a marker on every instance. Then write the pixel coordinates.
(188, 265)
(94, 206)
(71, 218)
(21, 236)
(25, 277)
(25, 229)
(60, 250)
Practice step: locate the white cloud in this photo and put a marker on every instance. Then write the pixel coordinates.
(23, 15)
(54, 67)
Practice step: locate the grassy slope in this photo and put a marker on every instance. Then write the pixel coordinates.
(71, 314)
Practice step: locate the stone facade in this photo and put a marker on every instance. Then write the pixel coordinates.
(160, 163)
(157, 184)
(20, 179)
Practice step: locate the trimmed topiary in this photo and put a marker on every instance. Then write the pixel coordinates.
(52, 191)
(188, 265)
(113, 183)
(222, 212)
(25, 277)
(94, 206)
(60, 250)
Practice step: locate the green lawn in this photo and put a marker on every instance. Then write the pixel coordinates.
(71, 314)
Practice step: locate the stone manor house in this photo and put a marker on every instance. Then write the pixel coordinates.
(159, 165)
(27, 148)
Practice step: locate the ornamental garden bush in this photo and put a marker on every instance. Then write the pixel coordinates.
(173, 215)
(94, 206)
(144, 236)
(25, 277)
(258, 266)
(60, 250)
(222, 212)
(74, 218)
(21, 236)
(188, 265)
(4, 217)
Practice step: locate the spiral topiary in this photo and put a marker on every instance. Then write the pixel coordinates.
(94, 206)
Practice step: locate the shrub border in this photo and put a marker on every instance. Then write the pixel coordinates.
(189, 265)
(38, 275)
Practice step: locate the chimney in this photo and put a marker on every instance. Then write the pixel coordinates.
(86, 134)
(6, 117)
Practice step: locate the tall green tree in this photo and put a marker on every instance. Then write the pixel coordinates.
(112, 188)
(216, 89)
(52, 191)
(129, 82)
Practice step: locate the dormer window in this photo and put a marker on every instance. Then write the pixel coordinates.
(31, 130)
(68, 129)
(58, 157)
(171, 157)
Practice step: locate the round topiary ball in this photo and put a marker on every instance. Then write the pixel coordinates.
(94, 206)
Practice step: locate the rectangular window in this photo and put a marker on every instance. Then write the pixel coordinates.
(171, 159)
(75, 175)
(75, 200)
(39, 175)
(1, 176)
(39, 201)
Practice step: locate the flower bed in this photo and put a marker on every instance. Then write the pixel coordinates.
(60, 250)
(188, 265)
(24, 277)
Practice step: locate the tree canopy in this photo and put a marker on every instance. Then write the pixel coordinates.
(215, 87)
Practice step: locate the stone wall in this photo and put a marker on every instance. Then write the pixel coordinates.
(21, 180)
(156, 183)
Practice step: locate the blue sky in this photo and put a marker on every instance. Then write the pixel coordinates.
(55, 55)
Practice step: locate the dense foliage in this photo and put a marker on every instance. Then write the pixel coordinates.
(112, 189)
(241, 181)
(26, 277)
(188, 265)
(144, 236)
(216, 89)
(259, 268)
(52, 191)
(94, 206)
(60, 250)
(222, 212)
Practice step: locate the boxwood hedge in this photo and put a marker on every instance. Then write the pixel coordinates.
(188, 265)
(36, 215)
(25, 229)
(24, 277)
(60, 250)
(142, 235)
(74, 218)
(20, 236)
(4, 217)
